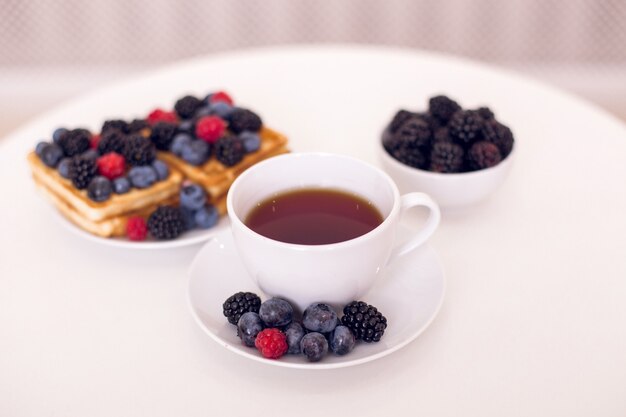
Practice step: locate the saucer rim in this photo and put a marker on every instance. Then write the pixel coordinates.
(308, 365)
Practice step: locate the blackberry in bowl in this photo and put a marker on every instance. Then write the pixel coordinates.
(458, 156)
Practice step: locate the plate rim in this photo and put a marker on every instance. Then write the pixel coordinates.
(115, 242)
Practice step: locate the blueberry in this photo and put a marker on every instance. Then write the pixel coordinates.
(58, 133)
(188, 218)
(186, 126)
(294, 332)
(196, 152)
(221, 109)
(251, 141)
(40, 147)
(179, 142)
(192, 197)
(162, 170)
(91, 154)
(203, 111)
(207, 99)
(276, 312)
(142, 176)
(206, 217)
(64, 167)
(249, 325)
(342, 340)
(51, 155)
(99, 189)
(314, 346)
(121, 185)
(319, 317)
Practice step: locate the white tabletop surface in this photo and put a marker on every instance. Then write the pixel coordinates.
(534, 320)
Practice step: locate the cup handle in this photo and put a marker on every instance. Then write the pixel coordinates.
(408, 201)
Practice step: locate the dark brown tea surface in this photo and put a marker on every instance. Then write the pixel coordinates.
(313, 216)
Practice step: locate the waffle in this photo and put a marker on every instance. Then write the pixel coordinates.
(111, 227)
(117, 205)
(216, 177)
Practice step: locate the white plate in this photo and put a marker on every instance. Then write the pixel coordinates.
(192, 237)
(409, 295)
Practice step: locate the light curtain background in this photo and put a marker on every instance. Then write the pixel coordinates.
(52, 50)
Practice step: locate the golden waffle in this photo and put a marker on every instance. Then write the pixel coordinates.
(111, 227)
(116, 205)
(215, 177)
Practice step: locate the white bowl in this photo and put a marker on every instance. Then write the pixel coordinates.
(448, 190)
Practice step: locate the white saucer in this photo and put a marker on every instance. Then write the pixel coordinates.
(192, 237)
(409, 295)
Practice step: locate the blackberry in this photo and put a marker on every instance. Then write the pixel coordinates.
(137, 125)
(162, 135)
(166, 222)
(112, 140)
(244, 119)
(415, 131)
(138, 150)
(442, 135)
(365, 321)
(81, 171)
(446, 157)
(433, 122)
(410, 156)
(238, 304)
(116, 124)
(229, 150)
(443, 108)
(485, 113)
(74, 142)
(403, 151)
(397, 121)
(187, 106)
(498, 134)
(483, 155)
(465, 127)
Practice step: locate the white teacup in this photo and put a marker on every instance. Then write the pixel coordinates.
(335, 273)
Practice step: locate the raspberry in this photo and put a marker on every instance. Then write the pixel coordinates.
(111, 165)
(221, 96)
(95, 140)
(136, 228)
(272, 343)
(160, 115)
(210, 128)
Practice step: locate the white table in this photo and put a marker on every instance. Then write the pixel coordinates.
(534, 321)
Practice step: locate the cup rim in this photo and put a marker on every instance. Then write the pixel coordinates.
(235, 220)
